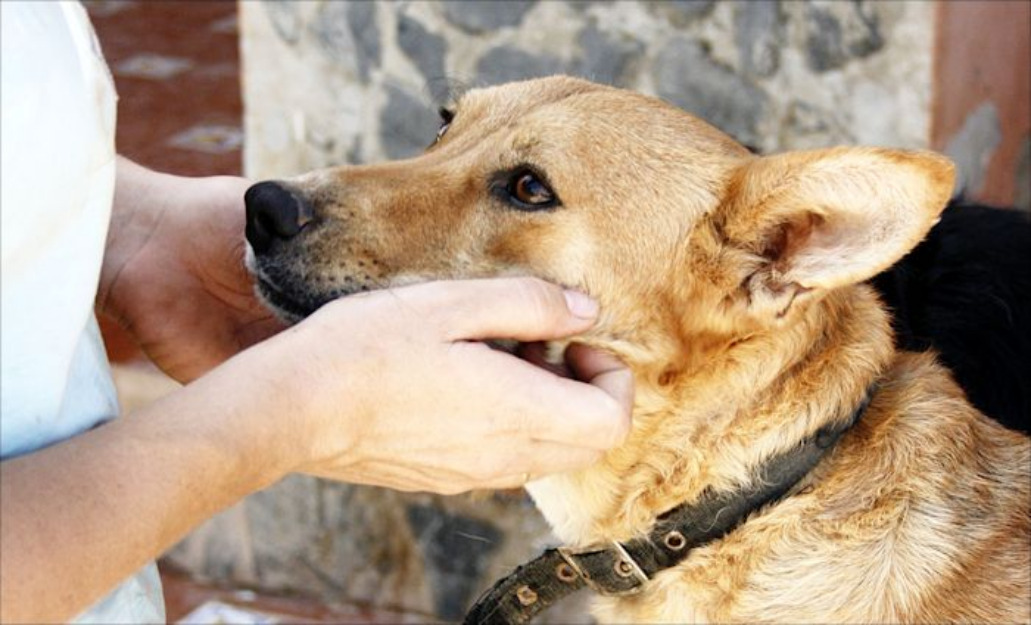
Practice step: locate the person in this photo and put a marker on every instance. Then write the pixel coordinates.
(395, 389)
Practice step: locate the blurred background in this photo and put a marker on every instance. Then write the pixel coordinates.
(271, 89)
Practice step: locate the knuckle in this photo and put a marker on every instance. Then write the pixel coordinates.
(543, 299)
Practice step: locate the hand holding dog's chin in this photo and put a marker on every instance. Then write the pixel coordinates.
(173, 271)
(395, 389)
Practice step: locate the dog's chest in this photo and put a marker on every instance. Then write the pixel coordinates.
(568, 507)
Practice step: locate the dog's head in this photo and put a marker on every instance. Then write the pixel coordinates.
(681, 234)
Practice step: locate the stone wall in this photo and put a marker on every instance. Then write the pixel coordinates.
(338, 82)
(351, 82)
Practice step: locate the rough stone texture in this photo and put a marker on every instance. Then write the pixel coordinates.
(361, 20)
(348, 34)
(355, 544)
(332, 82)
(285, 19)
(748, 69)
(478, 16)
(840, 31)
(759, 35)
(681, 12)
(456, 549)
(825, 50)
(506, 64)
(422, 47)
(333, 36)
(407, 124)
(688, 77)
(606, 58)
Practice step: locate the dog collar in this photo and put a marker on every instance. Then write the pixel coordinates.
(619, 569)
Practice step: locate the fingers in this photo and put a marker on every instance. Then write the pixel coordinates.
(525, 309)
(603, 370)
(592, 411)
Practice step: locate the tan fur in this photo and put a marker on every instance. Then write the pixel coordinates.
(732, 285)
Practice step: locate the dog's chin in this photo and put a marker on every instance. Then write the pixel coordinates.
(289, 307)
(288, 310)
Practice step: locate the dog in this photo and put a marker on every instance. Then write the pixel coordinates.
(965, 292)
(734, 287)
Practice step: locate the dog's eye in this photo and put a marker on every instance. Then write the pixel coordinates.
(446, 117)
(530, 191)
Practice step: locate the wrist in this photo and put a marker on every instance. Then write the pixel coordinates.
(314, 404)
(249, 418)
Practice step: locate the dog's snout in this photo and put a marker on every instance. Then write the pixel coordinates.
(274, 214)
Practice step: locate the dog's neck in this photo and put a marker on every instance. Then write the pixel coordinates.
(714, 426)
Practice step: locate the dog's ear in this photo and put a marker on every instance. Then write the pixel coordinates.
(821, 219)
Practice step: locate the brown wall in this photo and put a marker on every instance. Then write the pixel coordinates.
(982, 56)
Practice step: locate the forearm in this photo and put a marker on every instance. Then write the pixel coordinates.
(79, 517)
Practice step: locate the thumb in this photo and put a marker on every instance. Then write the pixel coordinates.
(524, 309)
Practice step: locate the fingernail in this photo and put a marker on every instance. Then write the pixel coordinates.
(581, 305)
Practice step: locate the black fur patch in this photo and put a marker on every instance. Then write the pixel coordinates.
(965, 291)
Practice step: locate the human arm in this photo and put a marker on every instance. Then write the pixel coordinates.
(391, 388)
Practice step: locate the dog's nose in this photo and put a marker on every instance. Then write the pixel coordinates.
(274, 213)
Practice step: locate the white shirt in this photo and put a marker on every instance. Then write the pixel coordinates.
(56, 188)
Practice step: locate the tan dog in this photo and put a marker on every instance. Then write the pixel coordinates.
(732, 285)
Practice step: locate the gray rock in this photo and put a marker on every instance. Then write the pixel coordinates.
(406, 124)
(973, 146)
(862, 30)
(804, 118)
(824, 49)
(283, 522)
(333, 36)
(285, 19)
(506, 64)
(581, 6)
(682, 12)
(480, 16)
(836, 33)
(424, 48)
(606, 58)
(687, 76)
(347, 34)
(806, 125)
(335, 541)
(456, 552)
(361, 19)
(759, 36)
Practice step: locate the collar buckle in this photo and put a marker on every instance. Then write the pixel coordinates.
(608, 569)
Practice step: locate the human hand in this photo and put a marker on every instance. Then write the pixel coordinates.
(394, 388)
(173, 272)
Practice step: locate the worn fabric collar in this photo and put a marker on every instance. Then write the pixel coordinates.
(617, 569)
